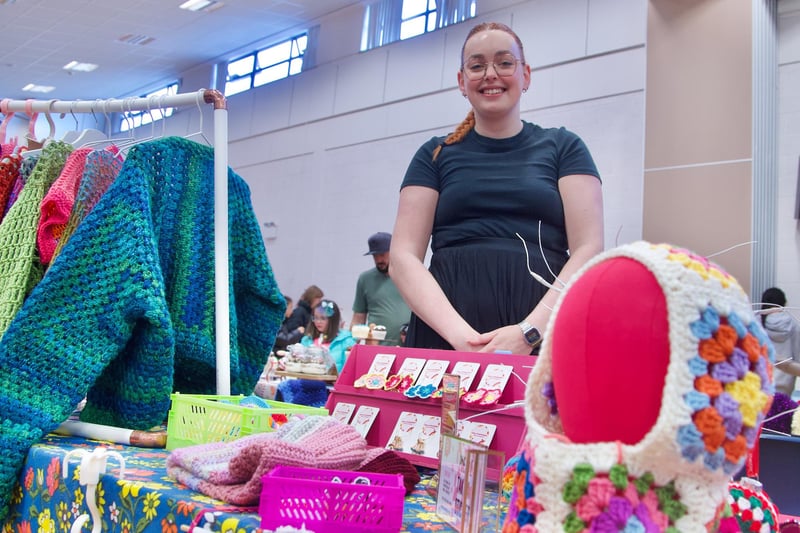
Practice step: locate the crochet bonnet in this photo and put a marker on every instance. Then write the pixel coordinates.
(648, 393)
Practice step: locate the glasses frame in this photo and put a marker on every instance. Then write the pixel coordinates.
(473, 76)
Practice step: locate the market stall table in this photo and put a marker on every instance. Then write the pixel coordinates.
(146, 500)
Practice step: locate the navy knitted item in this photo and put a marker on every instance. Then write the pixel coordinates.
(125, 314)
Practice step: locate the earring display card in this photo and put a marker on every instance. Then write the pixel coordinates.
(495, 377)
(343, 412)
(432, 372)
(364, 418)
(404, 435)
(381, 364)
(467, 371)
(412, 366)
(427, 443)
(479, 432)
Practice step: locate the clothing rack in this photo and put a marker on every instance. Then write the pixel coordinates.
(220, 142)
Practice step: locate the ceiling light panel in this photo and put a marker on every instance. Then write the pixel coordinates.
(77, 66)
(33, 88)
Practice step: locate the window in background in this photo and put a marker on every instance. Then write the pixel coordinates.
(387, 21)
(133, 119)
(266, 65)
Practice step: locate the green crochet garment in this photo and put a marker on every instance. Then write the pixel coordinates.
(125, 314)
(19, 265)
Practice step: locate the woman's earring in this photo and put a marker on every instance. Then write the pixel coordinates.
(524, 89)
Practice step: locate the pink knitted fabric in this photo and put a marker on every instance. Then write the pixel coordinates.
(100, 171)
(57, 204)
(316, 442)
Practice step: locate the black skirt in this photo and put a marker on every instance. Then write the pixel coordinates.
(488, 283)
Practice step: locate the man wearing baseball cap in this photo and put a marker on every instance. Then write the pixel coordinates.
(377, 299)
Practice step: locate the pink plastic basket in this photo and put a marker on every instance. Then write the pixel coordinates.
(292, 496)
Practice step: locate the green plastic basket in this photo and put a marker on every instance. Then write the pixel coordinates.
(199, 419)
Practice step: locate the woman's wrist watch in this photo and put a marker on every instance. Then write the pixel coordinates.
(531, 334)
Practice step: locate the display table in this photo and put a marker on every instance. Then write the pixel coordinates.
(146, 500)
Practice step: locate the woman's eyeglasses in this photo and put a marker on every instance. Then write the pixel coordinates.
(504, 65)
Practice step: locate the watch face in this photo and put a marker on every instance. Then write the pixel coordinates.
(533, 336)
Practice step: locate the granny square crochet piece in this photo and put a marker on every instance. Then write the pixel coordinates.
(652, 458)
(125, 313)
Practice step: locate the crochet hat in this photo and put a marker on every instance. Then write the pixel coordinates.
(649, 390)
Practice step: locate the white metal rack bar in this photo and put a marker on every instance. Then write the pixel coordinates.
(220, 141)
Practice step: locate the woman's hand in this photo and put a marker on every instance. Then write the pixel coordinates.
(507, 338)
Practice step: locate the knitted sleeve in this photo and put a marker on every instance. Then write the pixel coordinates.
(257, 304)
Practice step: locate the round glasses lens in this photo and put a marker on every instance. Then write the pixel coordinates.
(503, 65)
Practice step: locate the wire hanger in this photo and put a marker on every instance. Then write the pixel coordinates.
(100, 137)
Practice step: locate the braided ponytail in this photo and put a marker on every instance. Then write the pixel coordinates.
(458, 135)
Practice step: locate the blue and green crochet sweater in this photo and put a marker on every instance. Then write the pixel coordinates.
(125, 314)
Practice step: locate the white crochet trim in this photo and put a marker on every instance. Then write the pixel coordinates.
(689, 288)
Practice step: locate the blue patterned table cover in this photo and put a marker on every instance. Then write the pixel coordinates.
(146, 500)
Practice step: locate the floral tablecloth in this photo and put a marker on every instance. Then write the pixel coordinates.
(145, 500)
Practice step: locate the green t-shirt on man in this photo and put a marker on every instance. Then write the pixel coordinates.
(378, 297)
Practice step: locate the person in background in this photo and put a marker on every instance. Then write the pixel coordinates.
(289, 307)
(377, 300)
(403, 334)
(325, 331)
(295, 324)
(784, 332)
(471, 193)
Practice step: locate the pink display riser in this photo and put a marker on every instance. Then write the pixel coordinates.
(510, 433)
(286, 490)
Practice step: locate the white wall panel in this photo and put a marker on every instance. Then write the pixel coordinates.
(415, 66)
(360, 81)
(552, 31)
(271, 106)
(313, 94)
(615, 24)
(599, 75)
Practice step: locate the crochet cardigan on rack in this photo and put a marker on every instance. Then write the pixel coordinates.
(125, 314)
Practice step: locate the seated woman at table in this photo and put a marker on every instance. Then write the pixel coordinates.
(325, 330)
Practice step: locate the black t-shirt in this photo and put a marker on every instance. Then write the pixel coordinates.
(494, 188)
